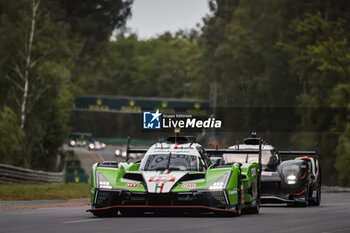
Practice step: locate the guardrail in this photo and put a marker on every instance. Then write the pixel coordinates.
(12, 174)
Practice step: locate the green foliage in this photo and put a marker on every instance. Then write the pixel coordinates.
(343, 158)
(318, 52)
(66, 34)
(28, 192)
(11, 138)
(295, 54)
(157, 67)
(94, 21)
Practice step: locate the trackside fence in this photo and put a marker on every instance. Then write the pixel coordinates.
(11, 174)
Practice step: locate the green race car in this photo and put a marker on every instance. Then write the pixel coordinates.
(175, 176)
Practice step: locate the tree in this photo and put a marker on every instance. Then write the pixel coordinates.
(157, 67)
(38, 84)
(11, 138)
(94, 21)
(271, 55)
(23, 71)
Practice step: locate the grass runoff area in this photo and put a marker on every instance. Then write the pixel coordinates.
(28, 192)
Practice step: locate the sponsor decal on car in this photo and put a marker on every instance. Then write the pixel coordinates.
(159, 188)
(300, 198)
(132, 185)
(233, 191)
(266, 173)
(253, 171)
(162, 179)
(188, 186)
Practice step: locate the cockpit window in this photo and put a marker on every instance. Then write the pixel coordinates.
(172, 162)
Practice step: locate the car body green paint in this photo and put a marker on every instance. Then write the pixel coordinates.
(115, 178)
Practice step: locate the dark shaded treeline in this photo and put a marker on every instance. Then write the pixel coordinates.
(44, 48)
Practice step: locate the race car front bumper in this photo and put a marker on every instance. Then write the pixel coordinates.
(273, 193)
(195, 200)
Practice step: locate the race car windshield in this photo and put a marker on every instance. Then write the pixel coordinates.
(291, 170)
(172, 162)
(266, 158)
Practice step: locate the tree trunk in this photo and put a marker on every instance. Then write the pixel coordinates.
(35, 5)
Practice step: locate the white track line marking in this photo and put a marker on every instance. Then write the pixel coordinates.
(83, 220)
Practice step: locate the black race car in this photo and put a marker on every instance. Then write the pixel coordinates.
(295, 180)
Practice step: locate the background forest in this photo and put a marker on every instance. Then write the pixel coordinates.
(291, 56)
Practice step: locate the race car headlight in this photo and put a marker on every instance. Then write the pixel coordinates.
(117, 152)
(220, 183)
(291, 179)
(102, 182)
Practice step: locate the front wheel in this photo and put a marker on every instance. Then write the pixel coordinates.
(240, 199)
(317, 202)
(254, 210)
(105, 213)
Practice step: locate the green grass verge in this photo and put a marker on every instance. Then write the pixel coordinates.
(26, 192)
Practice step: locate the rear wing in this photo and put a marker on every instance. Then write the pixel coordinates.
(229, 151)
(294, 152)
(133, 150)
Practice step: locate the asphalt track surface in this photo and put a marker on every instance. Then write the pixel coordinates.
(333, 216)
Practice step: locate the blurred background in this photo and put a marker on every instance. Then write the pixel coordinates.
(75, 72)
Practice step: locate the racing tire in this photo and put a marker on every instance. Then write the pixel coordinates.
(239, 201)
(238, 211)
(235, 214)
(105, 213)
(252, 210)
(316, 202)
